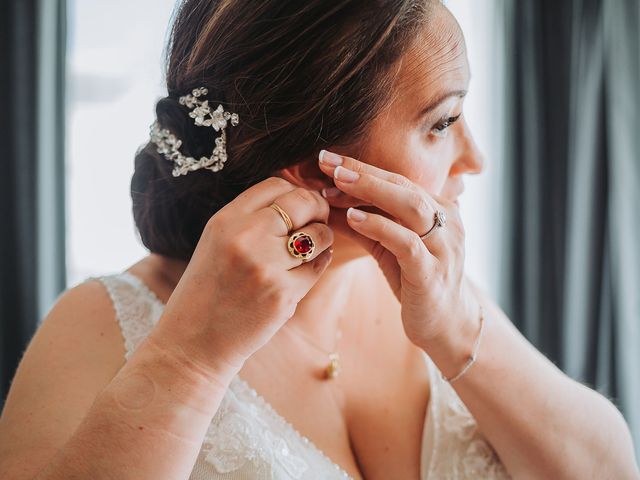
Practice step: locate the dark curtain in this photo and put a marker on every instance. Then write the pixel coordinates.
(572, 180)
(32, 269)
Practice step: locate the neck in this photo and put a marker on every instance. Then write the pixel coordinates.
(322, 310)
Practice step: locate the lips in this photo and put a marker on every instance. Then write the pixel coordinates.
(456, 194)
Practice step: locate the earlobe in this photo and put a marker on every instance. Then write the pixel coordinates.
(305, 174)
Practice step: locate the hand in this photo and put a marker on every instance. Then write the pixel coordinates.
(242, 284)
(427, 276)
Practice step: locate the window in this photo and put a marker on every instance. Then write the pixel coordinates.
(114, 79)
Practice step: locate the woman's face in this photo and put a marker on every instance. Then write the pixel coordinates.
(423, 134)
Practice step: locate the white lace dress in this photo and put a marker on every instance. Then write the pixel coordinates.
(247, 439)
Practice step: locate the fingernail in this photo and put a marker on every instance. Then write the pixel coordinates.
(329, 158)
(330, 192)
(345, 175)
(356, 215)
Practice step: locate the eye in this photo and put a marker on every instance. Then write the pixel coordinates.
(440, 129)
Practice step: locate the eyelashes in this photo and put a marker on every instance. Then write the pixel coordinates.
(440, 128)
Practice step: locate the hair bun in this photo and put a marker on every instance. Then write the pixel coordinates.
(174, 116)
(170, 212)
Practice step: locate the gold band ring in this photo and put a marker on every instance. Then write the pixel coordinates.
(285, 217)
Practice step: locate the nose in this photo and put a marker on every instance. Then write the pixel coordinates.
(469, 159)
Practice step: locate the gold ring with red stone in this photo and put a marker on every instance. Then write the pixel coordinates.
(301, 245)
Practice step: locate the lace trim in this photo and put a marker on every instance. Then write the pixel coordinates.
(242, 429)
(238, 435)
(459, 450)
(243, 388)
(143, 286)
(136, 318)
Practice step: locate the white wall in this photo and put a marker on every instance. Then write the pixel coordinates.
(115, 77)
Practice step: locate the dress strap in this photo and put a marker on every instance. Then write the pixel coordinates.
(137, 309)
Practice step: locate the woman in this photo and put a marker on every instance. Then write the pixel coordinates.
(344, 330)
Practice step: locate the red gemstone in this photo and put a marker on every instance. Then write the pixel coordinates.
(303, 244)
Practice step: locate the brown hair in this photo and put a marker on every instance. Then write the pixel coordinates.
(302, 76)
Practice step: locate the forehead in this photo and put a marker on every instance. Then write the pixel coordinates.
(435, 63)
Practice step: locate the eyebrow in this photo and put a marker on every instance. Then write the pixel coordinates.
(439, 100)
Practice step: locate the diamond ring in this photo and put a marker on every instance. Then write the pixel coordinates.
(440, 220)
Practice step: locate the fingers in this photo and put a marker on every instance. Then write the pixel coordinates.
(302, 205)
(304, 277)
(360, 167)
(411, 253)
(308, 212)
(413, 209)
(321, 234)
(393, 195)
(262, 194)
(339, 199)
(321, 239)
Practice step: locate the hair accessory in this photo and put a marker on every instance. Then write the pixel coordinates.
(474, 352)
(440, 220)
(168, 144)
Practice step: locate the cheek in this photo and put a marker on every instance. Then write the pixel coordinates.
(412, 155)
(425, 163)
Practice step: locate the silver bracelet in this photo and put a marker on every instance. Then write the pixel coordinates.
(474, 352)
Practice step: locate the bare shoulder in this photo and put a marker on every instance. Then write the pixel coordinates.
(74, 354)
(83, 319)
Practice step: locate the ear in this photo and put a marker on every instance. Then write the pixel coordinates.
(306, 174)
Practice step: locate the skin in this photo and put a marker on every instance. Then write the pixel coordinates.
(355, 418)
(404, 140)
(347, 424)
